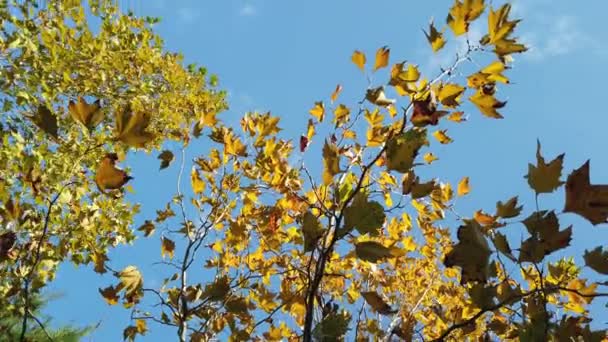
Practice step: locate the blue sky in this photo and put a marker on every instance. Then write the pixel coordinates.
(282, 56)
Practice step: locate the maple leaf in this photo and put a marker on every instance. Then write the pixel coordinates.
(425, 113)
(45, 120)
(508, 209)
(131, 280)
(463, 186)
(597, 260)
(377, 97)
(382, 55)
(463, 13)
(377, 303)
(435, 37)
(341, 115)
(166, 157)
(401, 150)
(89, 115)
(108, 176)
(546, 237)
(502, 245)
(585, 199)
(372, 251)
(167, 247)
(358, 58)
(312, 231)
(544, 178)
(131, 128)
(337, 91)
(471, 254)
(331, 162)
(318, 111)
(367, 217)
(487, 104)
(442, 137)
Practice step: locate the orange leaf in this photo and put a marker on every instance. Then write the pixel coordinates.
(382, 56)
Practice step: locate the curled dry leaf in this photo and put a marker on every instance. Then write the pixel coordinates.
(108, 176)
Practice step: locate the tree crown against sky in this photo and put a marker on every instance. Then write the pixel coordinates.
(370, 243)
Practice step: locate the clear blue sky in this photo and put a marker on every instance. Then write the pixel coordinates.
(284, 55)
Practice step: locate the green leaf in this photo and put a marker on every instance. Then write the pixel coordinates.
(366, 217)
(372, 251)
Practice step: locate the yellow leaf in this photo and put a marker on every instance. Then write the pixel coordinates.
(435, 38)
(108, 176)
(167, 247)
(392, 110)
(334, 95)
(463, 186)
(449, 94)
(487, 104)
(331, 162)
(429, 157)
(318, 111)
(310, 131)
(462, 13)
(358, 58)
(456, 117)
(382, 56)
(198, 185)
(141, 326)
(442, 137)
(341, 115)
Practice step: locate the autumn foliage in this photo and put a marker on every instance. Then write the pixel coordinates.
(369, 248)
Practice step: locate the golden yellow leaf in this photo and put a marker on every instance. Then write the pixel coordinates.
(487, 104)
(336, 93)
(358, 58)
(318, 111)
(442, 137)
(377, 303)
(198, 185)
(341, 115)
(456, 117)
(463, 186)
(462, 13)
(382, 56)
(435, 37)
(429, 157)
(331, 162)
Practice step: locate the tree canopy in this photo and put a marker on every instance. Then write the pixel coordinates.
(256, 245)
